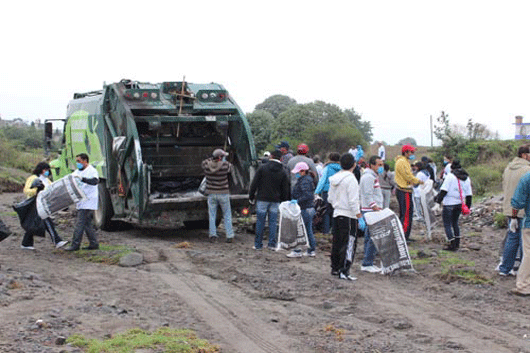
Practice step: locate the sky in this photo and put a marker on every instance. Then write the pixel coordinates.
(395, 62)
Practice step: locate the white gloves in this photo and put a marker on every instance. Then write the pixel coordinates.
(437, 209)
(513, 225)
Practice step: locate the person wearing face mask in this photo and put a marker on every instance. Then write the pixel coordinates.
(85, 209)
(371, 201)
(447, 166)
(405, 181)
(303, 194)
(37, 182)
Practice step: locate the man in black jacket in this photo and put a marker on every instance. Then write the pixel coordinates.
(269, 187)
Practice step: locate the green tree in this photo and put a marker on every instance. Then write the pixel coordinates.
(407, 141)
(332, 137)
(276, 104)
(365, 127)
(261, 124)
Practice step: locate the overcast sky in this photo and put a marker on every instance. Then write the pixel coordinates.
(394, 62)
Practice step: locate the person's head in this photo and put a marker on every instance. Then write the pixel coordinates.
(347, 162)
(447, 159)
(42, 168)
(266, 154)
(376, 164)
(300, 169)
(81, 161)
(219, 154)
(334, 157)
(419, 165)
(408, 151)
(302, 149)
(455, 164)
(283, 147)
(524, 152)
(387, 167)
(276, 155)
(426, 160)
(379, 143)
(316, 158)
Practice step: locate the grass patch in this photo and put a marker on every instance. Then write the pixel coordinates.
(8, 214)
(424, 261)
(107, 254)
(455, 268)
(162, 340)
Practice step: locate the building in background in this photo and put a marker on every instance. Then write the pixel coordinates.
(522, 130)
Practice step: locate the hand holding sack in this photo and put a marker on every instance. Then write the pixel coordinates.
(513, 225)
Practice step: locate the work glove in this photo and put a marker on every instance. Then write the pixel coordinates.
(437, 209)
(513, 225)
(252, 201)
(294, 201)
(362, 223)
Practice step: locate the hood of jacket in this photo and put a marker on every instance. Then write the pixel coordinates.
(335, 167)
(518, 163)
(339, 177)
(460, 174)
(274, 165)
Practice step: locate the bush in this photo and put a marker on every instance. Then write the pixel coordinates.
(500, 220)
(485, 179)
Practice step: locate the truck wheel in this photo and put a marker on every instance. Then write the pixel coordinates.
(104, 213)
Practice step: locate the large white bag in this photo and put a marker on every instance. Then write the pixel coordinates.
(59, 195)
(292, 232)
(387, 234)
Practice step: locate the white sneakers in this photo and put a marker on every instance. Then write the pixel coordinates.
(295, 254)
(61, 244)
(27, 247)
(371, 269)
(348, 277)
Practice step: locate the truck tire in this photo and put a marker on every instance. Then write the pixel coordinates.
(104, 213)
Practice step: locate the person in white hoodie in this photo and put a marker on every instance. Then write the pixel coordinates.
(344, 197)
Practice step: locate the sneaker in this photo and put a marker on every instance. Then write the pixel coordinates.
(212, 239)
(27, 247)
(71, 248)
(91, 247)
(295, 253)
(511, 273)
(335, 273)
(310, 253)
(61, 244)
(254, 248)
(229, 240)
(348, 277)
(371, 269)
(515, 291)
(498, 268)
(271, 248)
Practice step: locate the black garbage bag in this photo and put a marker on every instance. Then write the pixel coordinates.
(4, 231)
(29, 218)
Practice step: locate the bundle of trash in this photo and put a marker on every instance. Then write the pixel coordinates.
(292, 232)
(59, 195)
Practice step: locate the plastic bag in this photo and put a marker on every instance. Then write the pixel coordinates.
(202, 187)
(292, 232)
(4, 231)
(28, 216)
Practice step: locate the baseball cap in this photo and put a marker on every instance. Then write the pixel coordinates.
(407, 148)
(300, 166)
(303, 148)
(219, 153)
(266, 154)
(283, 144)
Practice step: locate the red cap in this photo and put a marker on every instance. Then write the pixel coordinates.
(407, 148)
(303, 148)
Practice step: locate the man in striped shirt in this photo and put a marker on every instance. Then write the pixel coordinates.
(216, 169)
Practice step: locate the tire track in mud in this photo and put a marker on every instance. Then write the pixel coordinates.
(224, 308)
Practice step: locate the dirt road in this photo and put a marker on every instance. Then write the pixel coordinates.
(258, 301)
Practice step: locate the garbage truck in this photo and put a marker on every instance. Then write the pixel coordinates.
(147, 142)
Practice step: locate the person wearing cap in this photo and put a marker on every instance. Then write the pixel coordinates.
(381, 152)
(269, 187)
(405, 181)
(286, 153)
(216, 169)
(303, 194)
(266, 157)
(301, 156)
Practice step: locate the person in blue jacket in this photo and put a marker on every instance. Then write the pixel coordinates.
(521, 200)
(323, 187)
(303, 194)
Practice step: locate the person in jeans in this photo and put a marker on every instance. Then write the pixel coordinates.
(521, 200)
(35, 183)
(85, 209)
(323, 187)
(303, 194)
(455, 188)
(269, 187)
(518, 167)
(387, 184)
(216, 169)
(371, 201)
(344, 197)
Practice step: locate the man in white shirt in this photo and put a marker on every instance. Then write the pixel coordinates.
(85, 209)
(381, 152)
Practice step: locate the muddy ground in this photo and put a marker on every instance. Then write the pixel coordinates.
(249, 301)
